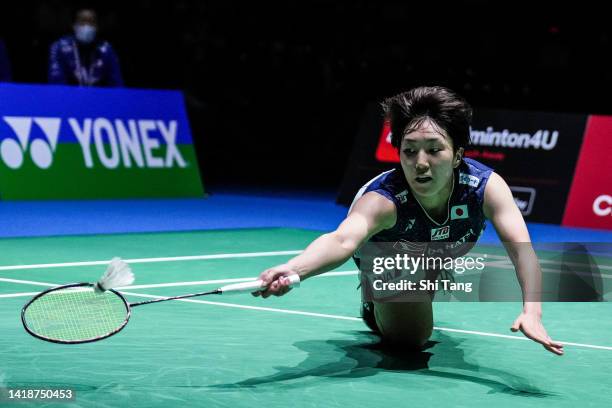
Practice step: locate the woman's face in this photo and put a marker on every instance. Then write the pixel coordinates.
(427, 158)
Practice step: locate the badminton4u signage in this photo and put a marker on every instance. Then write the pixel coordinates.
(65, 142)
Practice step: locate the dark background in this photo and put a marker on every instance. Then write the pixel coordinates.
(275, 89)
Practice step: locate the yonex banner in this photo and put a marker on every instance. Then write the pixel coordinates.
(59, 142)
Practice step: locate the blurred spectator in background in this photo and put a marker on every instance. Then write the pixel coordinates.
(83, 59)
(5, 66)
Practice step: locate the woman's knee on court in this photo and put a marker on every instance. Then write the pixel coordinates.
(404, 324)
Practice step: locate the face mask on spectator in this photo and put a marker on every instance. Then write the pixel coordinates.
(85, 33)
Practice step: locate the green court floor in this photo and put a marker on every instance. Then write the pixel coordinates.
(306, 349)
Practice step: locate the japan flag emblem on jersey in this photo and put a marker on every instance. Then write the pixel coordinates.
(459, 212)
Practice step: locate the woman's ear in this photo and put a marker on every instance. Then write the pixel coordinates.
(458, 157)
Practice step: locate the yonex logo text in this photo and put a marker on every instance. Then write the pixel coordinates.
(133, 142)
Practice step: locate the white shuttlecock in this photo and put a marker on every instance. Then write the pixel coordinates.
(118, 273)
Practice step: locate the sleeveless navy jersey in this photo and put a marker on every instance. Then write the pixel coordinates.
(465, 221)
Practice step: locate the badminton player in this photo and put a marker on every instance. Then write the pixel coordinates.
(436, 195)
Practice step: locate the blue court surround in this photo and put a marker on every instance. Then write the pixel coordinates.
(225, 209)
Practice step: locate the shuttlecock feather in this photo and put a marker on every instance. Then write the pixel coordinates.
(118, 273)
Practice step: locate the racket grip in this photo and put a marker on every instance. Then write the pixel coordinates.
(253, 286)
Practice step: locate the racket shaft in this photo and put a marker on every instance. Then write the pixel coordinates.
(250, 286)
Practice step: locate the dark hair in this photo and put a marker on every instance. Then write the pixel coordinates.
(79, 10)
(448, 110)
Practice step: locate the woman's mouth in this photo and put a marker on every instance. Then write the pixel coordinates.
(423, 179)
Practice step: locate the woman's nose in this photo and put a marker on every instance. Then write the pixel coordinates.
(421, 162)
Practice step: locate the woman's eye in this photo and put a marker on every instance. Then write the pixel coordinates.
(434, 150)
(409, 151)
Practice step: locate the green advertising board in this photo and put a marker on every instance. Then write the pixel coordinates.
(59, 142)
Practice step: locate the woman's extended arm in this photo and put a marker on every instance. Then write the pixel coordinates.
(370, 214)
(500, 208)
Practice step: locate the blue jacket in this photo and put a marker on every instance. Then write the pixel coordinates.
(68, 66)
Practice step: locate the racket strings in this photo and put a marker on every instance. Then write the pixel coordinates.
(75, 314)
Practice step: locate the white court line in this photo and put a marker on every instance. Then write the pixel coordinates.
(149, 260)
(210, 282)
(505, 259)
(506, 336)
(552, 271)
(328, 316)
(12, 295)
(175, 284)
(238, 255)
(26, 282)
(505, 263)
(234, 305)
(338, 317)
(548, 261)
(501, 262)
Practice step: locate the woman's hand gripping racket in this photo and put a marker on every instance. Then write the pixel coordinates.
(86, 312)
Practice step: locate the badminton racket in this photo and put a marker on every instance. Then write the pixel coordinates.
(88, 312)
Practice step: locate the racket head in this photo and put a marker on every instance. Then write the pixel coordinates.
(75, 313)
